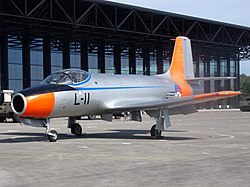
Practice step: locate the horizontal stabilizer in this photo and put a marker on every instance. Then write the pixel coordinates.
(209, 78)
(215, 96)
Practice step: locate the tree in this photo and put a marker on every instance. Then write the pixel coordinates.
(245, 85)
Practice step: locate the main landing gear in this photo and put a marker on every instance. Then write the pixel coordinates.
(76, 128)
(161, 118)
(155, 133)
(52, 134)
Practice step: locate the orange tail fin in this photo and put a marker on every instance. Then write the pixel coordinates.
(181, 67)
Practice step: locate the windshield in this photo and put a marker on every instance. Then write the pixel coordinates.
(67, 76)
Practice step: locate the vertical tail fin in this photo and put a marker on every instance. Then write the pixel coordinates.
(182, 61)
(181, 66)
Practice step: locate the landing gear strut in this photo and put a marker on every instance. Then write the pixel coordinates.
(155, 133)
(52, 134)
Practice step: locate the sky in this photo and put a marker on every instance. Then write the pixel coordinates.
(229, 11)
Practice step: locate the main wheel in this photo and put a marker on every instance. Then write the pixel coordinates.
(76, 129)
(91, 117)
(53, 137)
(155, 133)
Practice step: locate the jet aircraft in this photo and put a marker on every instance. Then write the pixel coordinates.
(74, 92)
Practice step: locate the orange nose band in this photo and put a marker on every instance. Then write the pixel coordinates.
(39, 106)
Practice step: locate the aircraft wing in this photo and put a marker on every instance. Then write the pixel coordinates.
(173, 103)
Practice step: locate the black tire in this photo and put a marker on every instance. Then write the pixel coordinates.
(155, 133)
(15, 118)
(76, 129)
(91, 117)
(53, 138)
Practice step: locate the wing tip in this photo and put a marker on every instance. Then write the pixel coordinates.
(217, 95)
(229, 93)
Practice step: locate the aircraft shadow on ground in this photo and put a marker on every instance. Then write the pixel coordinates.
(19, 137)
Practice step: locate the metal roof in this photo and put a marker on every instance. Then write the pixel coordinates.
(105, 21)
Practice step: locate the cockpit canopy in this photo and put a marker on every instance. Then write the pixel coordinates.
(66, 76)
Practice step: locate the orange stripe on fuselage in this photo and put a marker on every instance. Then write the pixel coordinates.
(177, 68)
(39, 106)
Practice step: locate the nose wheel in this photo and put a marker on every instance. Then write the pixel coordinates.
(155, 133)
(52, 134)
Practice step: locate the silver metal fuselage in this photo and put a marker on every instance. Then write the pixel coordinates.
(102, 92)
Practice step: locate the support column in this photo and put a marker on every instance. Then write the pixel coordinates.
(117, 59)
(66, 53)
(101, 58)
(46, 57)
(4, 61)
(159, 60)
(217, 83)
(26, 61)
(237, 63)
(227, 82)
(230, 101)
(197, 65)
(237, 71)
(171, 52)
(146, 61)
(207, 73)
(84, 56)
(132, 60)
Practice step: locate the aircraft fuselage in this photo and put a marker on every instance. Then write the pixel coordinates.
(96, 95)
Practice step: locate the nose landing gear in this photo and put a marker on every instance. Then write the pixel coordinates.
(52, 134)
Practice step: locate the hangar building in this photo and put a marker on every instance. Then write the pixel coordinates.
(39, 37)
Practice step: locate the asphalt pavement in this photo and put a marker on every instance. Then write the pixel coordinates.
(209, 148)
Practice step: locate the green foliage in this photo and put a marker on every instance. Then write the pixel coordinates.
(245, 85)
